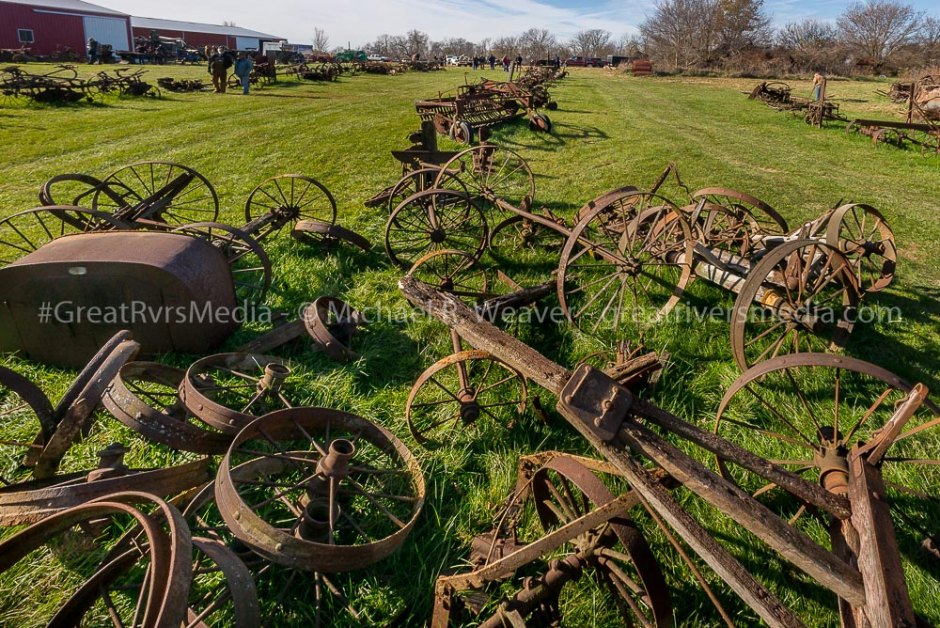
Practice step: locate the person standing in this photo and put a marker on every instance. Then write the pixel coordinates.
(92, 51)
(219, 63)
(505, 63)
(818, 82)
(492, 61)
(243, 70)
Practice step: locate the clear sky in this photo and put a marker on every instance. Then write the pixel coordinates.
(360, 21)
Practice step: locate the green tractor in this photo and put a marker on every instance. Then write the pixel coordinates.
(351, 56)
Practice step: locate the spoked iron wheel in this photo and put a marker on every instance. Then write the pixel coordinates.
(621, 559)
(458, 391)
(625, 265)
(518, 235)
(805, 412)
(284, 593)
(454, 272)
(863, 235)
(106, 582)
(70, 189)
(159, 191)
(289, 198)
(491, 173)
(230, 390)
(24, 232)
(418, 181)
(319, 490)
(249, 264)
(28, 421)
(433, 220)
(801, 297)
(751, 215)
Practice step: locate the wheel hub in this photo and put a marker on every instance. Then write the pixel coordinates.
(469, 408)
(438, 236)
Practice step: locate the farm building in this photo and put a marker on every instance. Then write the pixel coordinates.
(49, 27)
(200, 35)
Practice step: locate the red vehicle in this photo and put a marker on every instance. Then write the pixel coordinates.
(585, 62)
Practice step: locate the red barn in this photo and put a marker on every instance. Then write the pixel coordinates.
(201, 35)
(57, 26)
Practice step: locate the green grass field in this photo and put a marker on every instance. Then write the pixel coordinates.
(610, 131)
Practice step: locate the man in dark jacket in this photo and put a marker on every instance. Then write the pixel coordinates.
(219, 63)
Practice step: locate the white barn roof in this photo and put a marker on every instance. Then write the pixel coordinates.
(67, 6)
(195, 27)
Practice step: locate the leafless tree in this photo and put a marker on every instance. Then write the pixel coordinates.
(537, 43)
(228, 23)
(484, 47)
(875, 30)
(930, 40)
(416, 44)
(740, 24)
(321, 43)
(631, 46)
(591, 43)
(681, 33)
(506, 46)
(813, 44)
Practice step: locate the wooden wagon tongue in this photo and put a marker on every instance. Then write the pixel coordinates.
(607, 414)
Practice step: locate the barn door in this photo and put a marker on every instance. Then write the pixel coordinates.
(107, 30)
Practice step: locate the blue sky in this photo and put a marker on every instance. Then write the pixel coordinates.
(360, 21)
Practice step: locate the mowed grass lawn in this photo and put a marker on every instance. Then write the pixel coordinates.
(611, 130)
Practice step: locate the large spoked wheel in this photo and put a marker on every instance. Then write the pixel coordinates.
(563, 490)
(420, 180)
(753, 216)
(433, 220)
(230, 390)
(863, 235)
(801, 297)
(454, 272)
(489, 173)
(460, 390)
(319, 490)
(625, 265)
(291, 197)
(518, 235)
(249, 264)
(24, 232)
(805, 412)
(159, 191)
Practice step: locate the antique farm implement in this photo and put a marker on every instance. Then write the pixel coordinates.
(922, 123)
(848, 453)
(631, 254)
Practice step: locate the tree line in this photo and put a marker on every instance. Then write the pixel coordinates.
(871, 36)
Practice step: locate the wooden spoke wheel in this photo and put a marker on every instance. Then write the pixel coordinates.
(433, 220)
(159, 191)
(489, 173)
(805, 412)
(625, 264)
(621, 559)
(863, 235)
(289, 198)
(459, 391)
(319, 490)
(249, 264)
(800, 297)
(229, 390)
(24, 232)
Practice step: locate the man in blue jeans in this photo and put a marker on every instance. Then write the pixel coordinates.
(243, 70)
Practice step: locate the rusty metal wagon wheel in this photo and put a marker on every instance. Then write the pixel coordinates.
(332, 323)
(461, 132)
(625, 264)
(159, 191)
(143, 584)
(802, 296)
(540, 122)
(249, 264)
(144, 396)
(229, 390)
(326, 236)
(563, 490)
(456, 392)
(319, 490)
(489, 172)
(452, 271)
(24, 232)
(864, 236)
(743, 217)
(805, 412)
(28, 421)
(518, 234)
(420, 180)
(433, 220)
(291, 197)
(69, 189)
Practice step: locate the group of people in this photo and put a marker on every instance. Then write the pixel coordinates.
(221, 61)
(481, 62)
